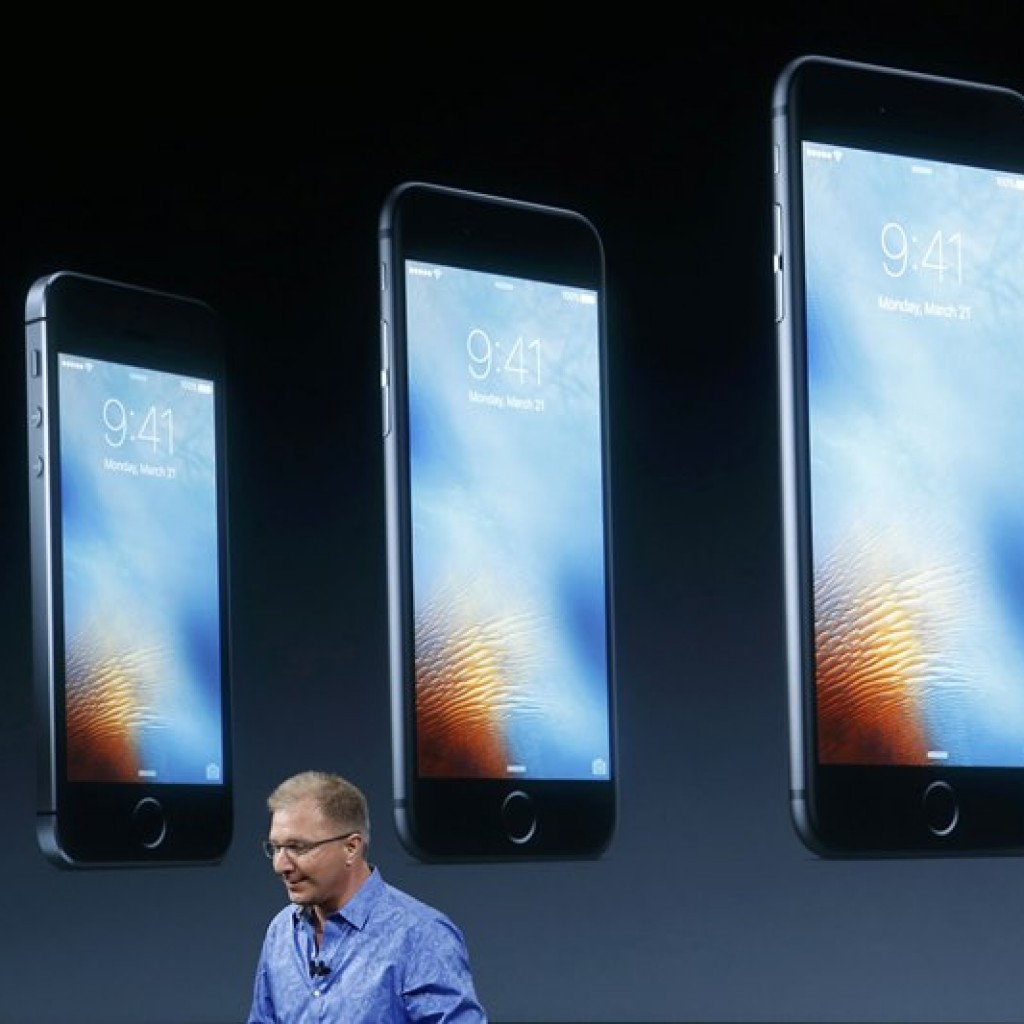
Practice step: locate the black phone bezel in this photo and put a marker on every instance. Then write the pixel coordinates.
(94, 824)
(452, 819)
(870, 810)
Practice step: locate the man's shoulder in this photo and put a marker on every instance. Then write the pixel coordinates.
(400, 903)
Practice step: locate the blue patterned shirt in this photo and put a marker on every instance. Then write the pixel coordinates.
(385, 958)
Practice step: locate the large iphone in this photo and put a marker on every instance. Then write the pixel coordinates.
(496, 443)
(128, 503)
(899, 266)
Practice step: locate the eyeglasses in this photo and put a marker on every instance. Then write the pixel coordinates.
(296, 850)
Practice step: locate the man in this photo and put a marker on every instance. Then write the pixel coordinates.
(350, 949)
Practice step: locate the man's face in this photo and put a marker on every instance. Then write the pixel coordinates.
(319, 876)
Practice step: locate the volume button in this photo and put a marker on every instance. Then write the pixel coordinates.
(777, 266)
(385, 379)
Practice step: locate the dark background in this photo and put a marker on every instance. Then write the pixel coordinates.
(249, 171)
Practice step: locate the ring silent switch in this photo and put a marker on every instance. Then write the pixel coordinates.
(519, 816)
(149, 823)
(941, 808)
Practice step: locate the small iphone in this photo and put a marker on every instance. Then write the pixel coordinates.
(129, 557)
(899, 271)
(495, 411)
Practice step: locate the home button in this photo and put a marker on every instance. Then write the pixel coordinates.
(149, 822)
(519, 816)
(941, 808)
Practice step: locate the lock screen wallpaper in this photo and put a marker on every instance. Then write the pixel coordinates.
(915, 386)
(141, 619)
(507, 527)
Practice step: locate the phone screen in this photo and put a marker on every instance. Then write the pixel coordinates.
(140, 574)
(915, 421)
(507, 526)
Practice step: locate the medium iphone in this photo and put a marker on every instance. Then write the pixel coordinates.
(127, 486)
(498, 524)
(899, 265)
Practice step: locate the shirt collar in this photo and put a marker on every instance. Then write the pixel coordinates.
(358, 908)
